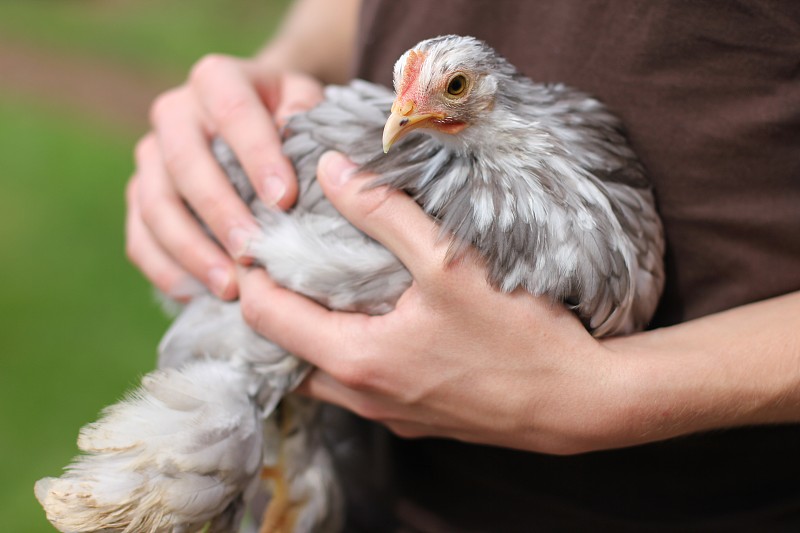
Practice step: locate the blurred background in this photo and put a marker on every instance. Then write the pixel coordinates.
(78, 324)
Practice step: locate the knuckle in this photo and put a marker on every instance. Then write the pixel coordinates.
(372, 203)
(350, 375)
(149, 209)
(210, 65)
(162, 106)
(369, 410)
(208, 205)
(177, 159)
(229, 100)
(404, 432)
(260, 154)
(356, 373)
(144, 149)
(188, 252)
(252, 311)
(231, 106)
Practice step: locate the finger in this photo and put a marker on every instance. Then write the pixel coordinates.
(142, 250)
(190, 172)
(298, 93)
(232, 103)
(390, 217)
(410, 430)
(322, 337)
(324, 387)
(174, 229)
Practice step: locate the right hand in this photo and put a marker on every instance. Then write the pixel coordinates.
(243, 103)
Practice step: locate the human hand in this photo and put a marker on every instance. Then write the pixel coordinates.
(456, 358)
(243, 102)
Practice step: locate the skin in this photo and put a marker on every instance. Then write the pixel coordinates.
(456, 358)
(245, 101)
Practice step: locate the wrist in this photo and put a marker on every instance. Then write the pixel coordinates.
(658, 394)
(687, 379)
(590, 407)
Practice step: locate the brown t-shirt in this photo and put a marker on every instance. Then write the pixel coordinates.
(710, 93)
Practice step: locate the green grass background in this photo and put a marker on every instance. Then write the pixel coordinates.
(78, 324)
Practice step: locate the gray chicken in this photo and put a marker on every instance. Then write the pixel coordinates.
(537, 178)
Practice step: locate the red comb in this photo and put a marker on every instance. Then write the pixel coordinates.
(411, 70)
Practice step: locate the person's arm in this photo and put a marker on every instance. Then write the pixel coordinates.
(732, 368)
(244, 101)
(317, 37)
(458, 359)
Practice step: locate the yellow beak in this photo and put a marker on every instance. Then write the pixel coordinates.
(402, 121)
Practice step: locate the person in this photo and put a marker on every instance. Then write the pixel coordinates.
(529, 422)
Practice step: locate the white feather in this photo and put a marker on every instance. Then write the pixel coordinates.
(526, 184)
(178, 451)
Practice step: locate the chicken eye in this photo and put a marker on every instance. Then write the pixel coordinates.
(457, 85)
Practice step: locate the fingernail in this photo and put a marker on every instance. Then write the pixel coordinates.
(274, 190)
(239, 240)
(218, 279)
(337, 169)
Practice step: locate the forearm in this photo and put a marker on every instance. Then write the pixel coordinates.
(317, 38)
(735, 368)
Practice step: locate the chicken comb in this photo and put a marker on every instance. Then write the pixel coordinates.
(411, 70)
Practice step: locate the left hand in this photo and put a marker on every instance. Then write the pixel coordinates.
(456, 358)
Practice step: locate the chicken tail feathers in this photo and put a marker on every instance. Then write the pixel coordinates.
(176, 453)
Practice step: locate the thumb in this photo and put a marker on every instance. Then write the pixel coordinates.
(391, 217)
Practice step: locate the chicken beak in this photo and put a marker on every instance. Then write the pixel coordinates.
(404, 120)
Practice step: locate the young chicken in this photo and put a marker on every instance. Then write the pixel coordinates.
(537, 178)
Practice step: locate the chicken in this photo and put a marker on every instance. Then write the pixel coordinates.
(537, 178)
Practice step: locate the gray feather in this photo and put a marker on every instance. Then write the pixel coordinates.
(542, 184)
